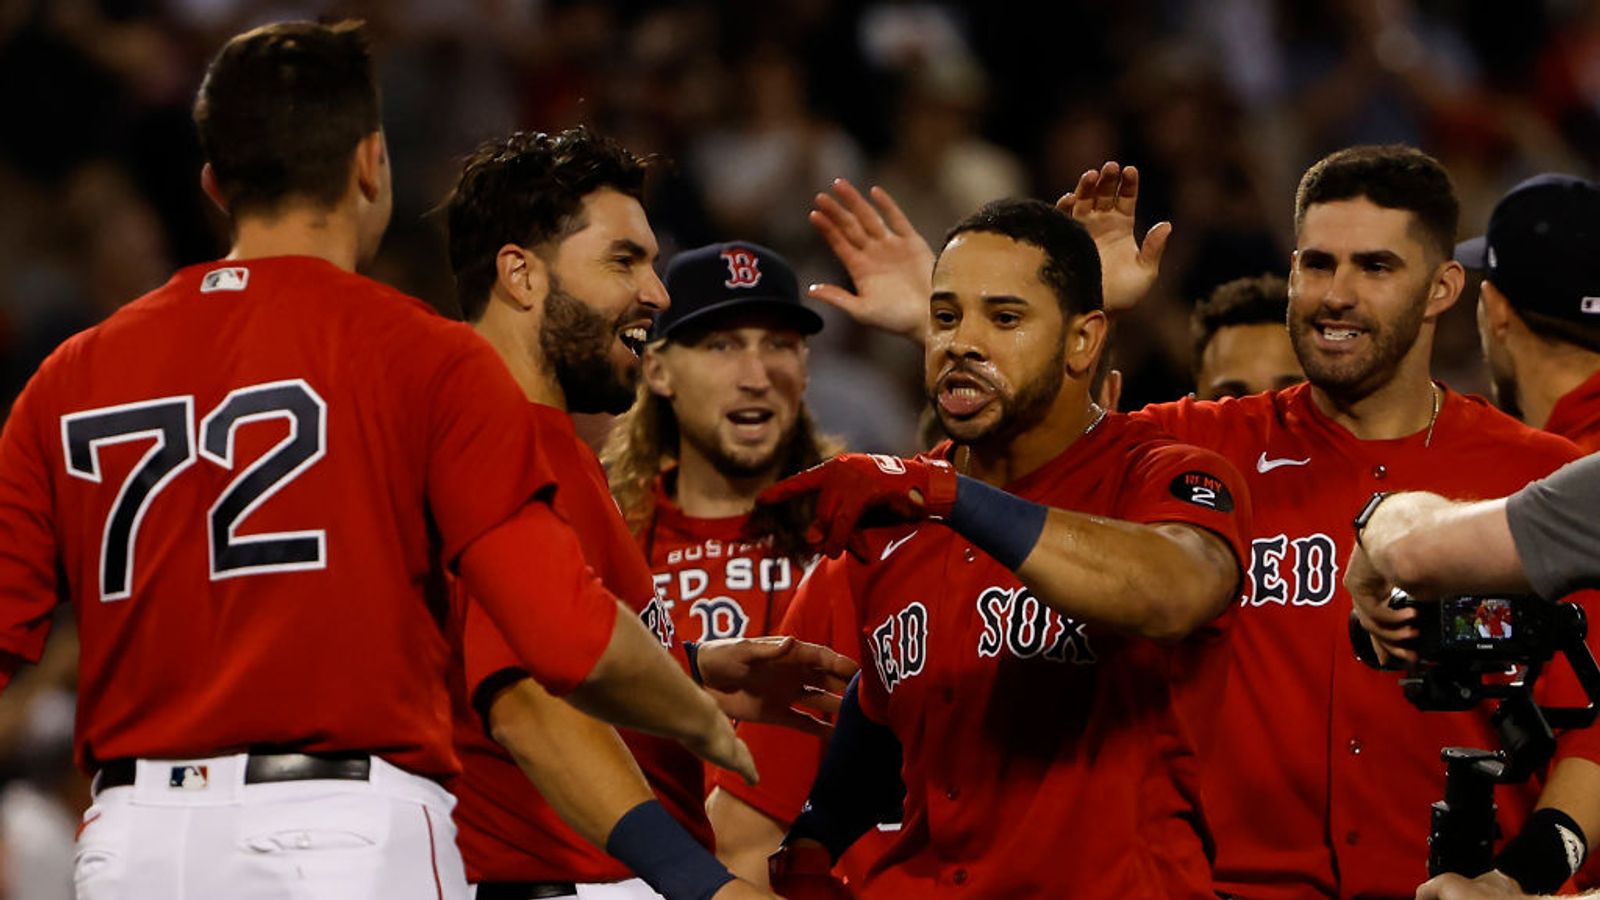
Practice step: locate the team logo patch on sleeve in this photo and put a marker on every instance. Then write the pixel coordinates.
(1202, 489)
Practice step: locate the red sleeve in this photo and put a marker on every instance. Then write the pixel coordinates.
(787, 759)
(29, 589)
(554, 615)
(1184, 484)
(485, 653)
(483, 450)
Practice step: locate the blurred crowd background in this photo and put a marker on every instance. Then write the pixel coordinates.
(753, 107)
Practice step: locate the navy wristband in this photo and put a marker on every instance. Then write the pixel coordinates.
(857, 784)
(691, 652)
(1003, 525)
(657, 849)
(1545, 853)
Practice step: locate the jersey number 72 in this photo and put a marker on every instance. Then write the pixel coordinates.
(170, 421)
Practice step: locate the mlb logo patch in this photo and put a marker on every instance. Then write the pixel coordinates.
(1590, 305)
(230, 279)
(189, 778)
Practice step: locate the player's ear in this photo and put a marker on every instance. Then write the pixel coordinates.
(1446, 289)
(522, 275)
(1086, 338)
(1494, 310)
(653, 369)
(1111, 389)
(371, 159)
(208, 183)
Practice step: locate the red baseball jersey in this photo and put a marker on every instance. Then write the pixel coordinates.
(787, 759)
(1576, 416)
(507, 832)
(715, 581)
(244, 481)
(1037, 749)
(1321, 774)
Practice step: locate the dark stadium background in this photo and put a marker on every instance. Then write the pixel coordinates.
(753, 107)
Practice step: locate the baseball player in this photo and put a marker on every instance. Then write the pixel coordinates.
(249, 484)
(1016, 682)
(1539, 304)
(721, 416)
(1240, 346)
(1303, 729)
(553, 257)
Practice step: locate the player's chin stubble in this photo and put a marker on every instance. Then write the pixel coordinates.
(1018, 412)
(1361, 375)
(576, 343)
(732, 462)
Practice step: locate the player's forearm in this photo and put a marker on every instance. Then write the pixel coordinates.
(1574, 788)
(746, 836)
(1160, 581)
(637, 685)
(858, 783)
(579, 764)
(1430, 546)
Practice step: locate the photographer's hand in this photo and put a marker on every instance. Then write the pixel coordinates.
(1390, 628)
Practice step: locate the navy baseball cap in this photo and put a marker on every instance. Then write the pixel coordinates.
(732, 277)
(1542, 249)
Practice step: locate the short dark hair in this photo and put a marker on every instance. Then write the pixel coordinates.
(1261, 300)
(528, 190)
(1393, 176)
(1071, 262)
(281, 110)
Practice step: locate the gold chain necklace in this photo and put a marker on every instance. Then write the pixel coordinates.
(1438, 398)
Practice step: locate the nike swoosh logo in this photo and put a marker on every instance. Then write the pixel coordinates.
(1267, 465)
(892, 546)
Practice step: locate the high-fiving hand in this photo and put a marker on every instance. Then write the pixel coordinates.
(889, 262)
(764, 679)
(1104, 200)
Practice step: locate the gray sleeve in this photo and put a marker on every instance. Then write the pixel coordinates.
(1555, 523)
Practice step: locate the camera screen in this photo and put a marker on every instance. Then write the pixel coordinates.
(1476, 619)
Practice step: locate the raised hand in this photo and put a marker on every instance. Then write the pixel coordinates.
(764, 679)
(890, 264)
(1104, 201)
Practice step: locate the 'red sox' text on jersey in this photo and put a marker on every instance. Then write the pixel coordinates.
(1038, 750)
(1321, 773)
(714, 580)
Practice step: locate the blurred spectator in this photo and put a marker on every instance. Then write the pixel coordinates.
(1221, 103)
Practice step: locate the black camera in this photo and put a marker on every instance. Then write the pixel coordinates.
(1475, 648)
(1465, 640)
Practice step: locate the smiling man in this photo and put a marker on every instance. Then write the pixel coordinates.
(1319, 773)
(720, 416)
(554, 263)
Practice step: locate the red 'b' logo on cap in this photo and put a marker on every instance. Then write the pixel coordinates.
(744, 268)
